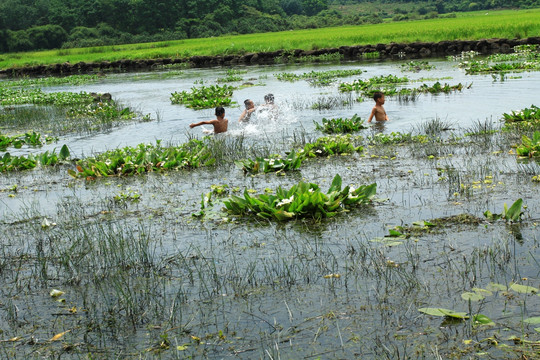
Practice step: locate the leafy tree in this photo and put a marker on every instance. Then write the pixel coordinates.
(313, 7)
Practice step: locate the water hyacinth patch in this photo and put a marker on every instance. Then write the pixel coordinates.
(318, 78)
(340, 125)
(366, 85)
(30, 138)
(18, 163)
(530, 147)
(531, 114)
(304, 200)
(272, 164)
(10, 96)
(204, 97)
(332, 145)
(144, 158)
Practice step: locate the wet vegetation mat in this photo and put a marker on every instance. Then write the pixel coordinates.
(409, 244)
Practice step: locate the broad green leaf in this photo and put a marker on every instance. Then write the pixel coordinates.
(444, 312)
(497, 287)
(454, 314)
(431, 311)
(480, 319)
(523, 289)
(532, 320)
(64, 152)
(56, 293)
(514, 213)
(471, 296)
(482, 292)
(394, 233)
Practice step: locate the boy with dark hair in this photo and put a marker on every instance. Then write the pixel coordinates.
(246, 114)
(378, 110)
(220, 123)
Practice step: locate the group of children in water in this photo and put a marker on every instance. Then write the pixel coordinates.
(220, 123)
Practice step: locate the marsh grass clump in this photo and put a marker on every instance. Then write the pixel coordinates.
(304, 200)
(341, 125)
(204, 97)
(434, 128)
(331, 102)
(479, 128)
(143, 159)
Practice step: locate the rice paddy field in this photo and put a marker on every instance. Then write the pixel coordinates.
(466, 26)
(304, 233)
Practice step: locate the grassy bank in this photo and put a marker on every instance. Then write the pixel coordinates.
(467, 26)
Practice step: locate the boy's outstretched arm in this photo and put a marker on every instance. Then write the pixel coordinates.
(210, 122)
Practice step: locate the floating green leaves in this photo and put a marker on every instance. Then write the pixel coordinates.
(204, 97)
(512, 214)
(471, 296)
(523, 289)
(444, 312)
(145, 158)
(340, 125)
(304, 200)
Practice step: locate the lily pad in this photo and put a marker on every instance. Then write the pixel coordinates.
(482, 292)
(471, 296)
(523, 289)
(532, 320)
(480, 319)
(444, 312)
(496, 287)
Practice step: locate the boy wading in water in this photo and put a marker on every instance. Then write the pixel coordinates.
(220, 123)
(378, 110)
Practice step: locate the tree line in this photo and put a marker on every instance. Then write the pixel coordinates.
(49, 24)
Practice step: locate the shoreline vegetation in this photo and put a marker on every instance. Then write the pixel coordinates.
(497, 31)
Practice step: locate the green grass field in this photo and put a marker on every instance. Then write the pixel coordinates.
(467, 26)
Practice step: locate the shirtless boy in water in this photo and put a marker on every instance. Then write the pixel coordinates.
(378, 110)
(246, 114)
(220, 123)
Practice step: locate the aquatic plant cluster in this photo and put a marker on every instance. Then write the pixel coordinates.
(30, 138)
(301, 200)
(386, 84)
(524, 58)
(318, 78)
(144, 158)
(341, 125)
(204, 97)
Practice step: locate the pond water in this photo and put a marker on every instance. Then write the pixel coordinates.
(150, 94)
(145, 279)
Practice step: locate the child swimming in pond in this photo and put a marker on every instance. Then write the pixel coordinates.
(246, 114)
(220, 123)
(378, 110)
